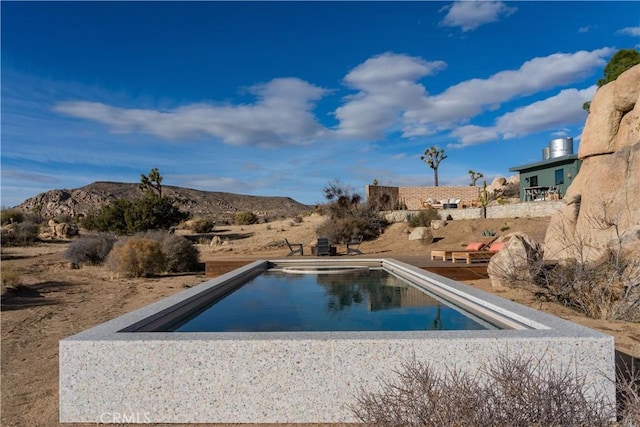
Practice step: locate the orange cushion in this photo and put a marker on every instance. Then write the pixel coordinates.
(474, 246)
(496, 246)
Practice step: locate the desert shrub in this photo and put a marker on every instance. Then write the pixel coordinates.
(91, 249)
(424, 217)
(10, 277)
(509, 392)
(180, 255)
(20, 234)
(608, 288)
(121, 216)
(9, 216)
(628, 392)
(298, 219)
(202, 225)
(364, 223)
(245, 218)
(136, 257)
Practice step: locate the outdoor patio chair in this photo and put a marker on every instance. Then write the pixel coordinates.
(295, 248)
(353, 247)
(323, 247)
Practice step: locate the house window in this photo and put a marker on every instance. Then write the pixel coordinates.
(559, 176)
(533, 181)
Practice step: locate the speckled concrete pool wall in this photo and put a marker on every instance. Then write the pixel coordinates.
(112, 376)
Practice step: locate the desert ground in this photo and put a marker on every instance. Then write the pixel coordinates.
(55, 300)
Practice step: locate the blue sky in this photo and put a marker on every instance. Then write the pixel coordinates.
(280, 98)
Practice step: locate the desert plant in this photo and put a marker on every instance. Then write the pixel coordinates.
(245, 218)
(136, 257)
(179, 254)
(202, 225)
(424, 217)
(348, 216)
(475, 176)
(432, 156)
(488, 233)
(10, 216)
(91, 249)
(150, 212)
(513, 391)
(20, 234)
(10, 277)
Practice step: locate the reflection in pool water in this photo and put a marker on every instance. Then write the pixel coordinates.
(372, 300)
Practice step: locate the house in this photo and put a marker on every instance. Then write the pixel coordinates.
(550, 177)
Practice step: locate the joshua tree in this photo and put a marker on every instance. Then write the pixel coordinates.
(475, 176)
(151, 182)
(433, 157)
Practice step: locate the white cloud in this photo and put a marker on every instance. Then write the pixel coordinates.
(584, 29)
(471, 97)
(387, 87)
(469, 15)
(550, 113)
(281, 116)
(630, 31)
(565, 107)
(472, 135)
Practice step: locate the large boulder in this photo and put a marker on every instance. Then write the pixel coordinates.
(601, 204)
(626, 90)
(421, 233)
(601, 128)
(517, 263)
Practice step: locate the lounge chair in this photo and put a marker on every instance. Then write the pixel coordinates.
(476, 246)
(482, 255)
(354, 245)
(295, 248)
(323, 247)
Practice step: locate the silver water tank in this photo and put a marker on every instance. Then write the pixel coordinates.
(560, 147)
(545, 153)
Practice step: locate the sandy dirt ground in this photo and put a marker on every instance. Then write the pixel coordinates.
(55, 301)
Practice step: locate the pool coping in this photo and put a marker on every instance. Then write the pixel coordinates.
(98, 364)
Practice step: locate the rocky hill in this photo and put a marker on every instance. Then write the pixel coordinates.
(217, 205)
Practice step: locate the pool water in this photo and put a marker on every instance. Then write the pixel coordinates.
(371, 300)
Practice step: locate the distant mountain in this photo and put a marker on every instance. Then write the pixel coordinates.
(218, 205)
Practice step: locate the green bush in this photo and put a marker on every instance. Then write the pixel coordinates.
(20, 234)
(9, 216)
(151, 212)
(367, 224)
(91, 249)
(136, 257)
(245, 218)
(424, 218)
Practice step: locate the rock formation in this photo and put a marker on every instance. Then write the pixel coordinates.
(517, 263)
(602, 207)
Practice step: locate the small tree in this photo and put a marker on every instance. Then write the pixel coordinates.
(433, 157)
(475, 176)
(151, 182)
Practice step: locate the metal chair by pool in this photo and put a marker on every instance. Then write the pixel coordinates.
(295, 248)
(353, 247)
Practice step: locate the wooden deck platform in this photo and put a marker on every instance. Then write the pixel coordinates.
(447, 269)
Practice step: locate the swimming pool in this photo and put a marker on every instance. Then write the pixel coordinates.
(130, 365)
(357, 298)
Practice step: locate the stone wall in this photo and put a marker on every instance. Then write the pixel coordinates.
(512, 210)
(414, 197)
